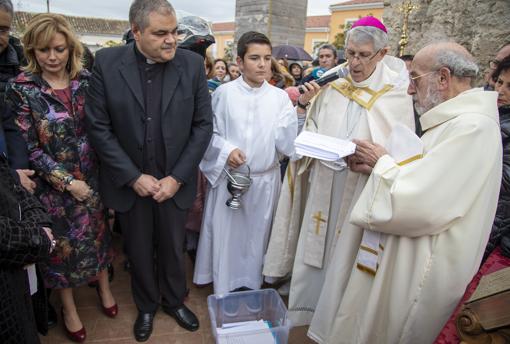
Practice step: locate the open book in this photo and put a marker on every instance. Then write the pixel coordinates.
(323, 147)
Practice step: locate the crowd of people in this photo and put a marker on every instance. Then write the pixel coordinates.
(285, 74)
(383, 246)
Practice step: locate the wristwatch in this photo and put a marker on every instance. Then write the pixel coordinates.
(68, 180)
(303, 106)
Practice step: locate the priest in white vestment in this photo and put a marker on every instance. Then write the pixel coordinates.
(316, 195)
(254, 123)
(431, 214)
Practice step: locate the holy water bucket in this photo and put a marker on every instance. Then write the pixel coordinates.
(238, 183)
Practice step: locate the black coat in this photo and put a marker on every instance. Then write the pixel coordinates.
(22, 242)
(115, 114)
(500, 234)
(11, 60)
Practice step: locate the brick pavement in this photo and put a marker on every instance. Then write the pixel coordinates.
(101, 329)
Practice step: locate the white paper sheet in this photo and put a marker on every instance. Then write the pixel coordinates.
(247, 332)
(32, 278)
(323, 147)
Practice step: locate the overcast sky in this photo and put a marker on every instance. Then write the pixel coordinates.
(213, 10)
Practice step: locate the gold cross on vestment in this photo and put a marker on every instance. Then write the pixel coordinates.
(318, 219)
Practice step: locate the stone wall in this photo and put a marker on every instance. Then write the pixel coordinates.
(283, 21)
(481, 26)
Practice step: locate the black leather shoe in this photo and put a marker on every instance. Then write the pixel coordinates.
(143, 326)
(52, 316)
(184, 317)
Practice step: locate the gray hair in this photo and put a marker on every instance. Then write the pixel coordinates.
(6, 6)
(460, 64)
(140, 10)
(367, 34)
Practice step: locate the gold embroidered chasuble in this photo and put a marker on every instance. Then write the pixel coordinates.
(303, 233)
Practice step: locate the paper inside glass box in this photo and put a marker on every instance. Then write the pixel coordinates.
(246, 332)
(323, 147)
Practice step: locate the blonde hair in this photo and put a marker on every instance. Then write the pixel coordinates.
(281, 73)
(40, 31)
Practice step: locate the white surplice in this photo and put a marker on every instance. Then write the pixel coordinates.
(317, 196)
(434, 215)
(262, 123)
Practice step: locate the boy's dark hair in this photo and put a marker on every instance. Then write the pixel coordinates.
(248, 38)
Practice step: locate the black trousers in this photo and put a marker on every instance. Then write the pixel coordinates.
(154, 238)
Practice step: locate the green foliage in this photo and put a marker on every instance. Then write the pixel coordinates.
(339, 40)
(228, 51)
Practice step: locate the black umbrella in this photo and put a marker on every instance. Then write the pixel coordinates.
(291, 52)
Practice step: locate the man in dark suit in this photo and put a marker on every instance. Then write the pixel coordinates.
(149, 117)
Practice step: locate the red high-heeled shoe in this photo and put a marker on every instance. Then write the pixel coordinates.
(108, 311)
(77, 336)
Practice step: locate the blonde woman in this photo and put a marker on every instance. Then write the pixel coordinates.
(48, 98)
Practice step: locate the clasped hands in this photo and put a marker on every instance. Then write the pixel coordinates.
(160, 190)
(79, 189)
(366, 156)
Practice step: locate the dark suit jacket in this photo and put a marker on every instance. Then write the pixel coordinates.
(115, 113)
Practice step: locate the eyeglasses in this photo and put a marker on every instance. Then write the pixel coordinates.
(413, 78)
(493, 64)
(4, 29)
(362, 57)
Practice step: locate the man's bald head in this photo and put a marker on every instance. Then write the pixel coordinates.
(439, 72)
(450, 55)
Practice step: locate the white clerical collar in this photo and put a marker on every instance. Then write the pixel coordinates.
(249, 88)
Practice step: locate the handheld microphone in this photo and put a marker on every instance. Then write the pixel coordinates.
(342, 72)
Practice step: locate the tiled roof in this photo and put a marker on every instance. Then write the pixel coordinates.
(228, 26)
(317, 21)
(357, 2)
(311, 22)
(81, 25)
